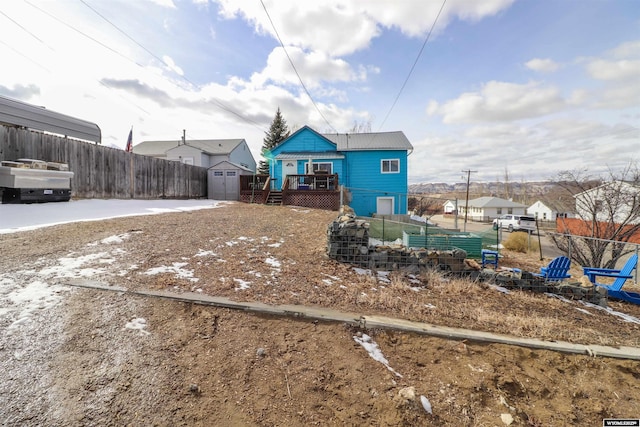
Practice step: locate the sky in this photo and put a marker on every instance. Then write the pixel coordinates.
(506, 89)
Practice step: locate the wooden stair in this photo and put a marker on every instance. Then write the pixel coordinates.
(275, 198)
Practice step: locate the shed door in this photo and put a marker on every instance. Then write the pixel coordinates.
(216, 185)
(384, 205)
(232, 185)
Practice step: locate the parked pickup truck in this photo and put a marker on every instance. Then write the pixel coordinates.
(515, 223)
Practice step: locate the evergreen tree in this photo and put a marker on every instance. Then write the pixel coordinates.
(278, 132)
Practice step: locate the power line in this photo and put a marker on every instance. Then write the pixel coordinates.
(218, 103)
(294, 67)
(121, 31)
(413, 66)
(25, 30)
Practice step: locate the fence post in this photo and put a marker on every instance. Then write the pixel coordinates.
(636, 271)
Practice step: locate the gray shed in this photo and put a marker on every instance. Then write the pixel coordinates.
(224, 180)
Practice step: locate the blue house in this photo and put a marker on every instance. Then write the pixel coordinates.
(370, 168)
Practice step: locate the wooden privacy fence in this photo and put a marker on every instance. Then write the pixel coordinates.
(105, 172)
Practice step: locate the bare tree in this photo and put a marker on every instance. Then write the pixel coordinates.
(362, 127)
(424, 205)
(507, 185)
(610, 212)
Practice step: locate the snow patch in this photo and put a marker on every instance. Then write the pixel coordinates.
(138, 324)
(70, 267)
(374, 351)
(28, 300)
(175, 268)
(242, 285)
(202, 252)
(273, 262)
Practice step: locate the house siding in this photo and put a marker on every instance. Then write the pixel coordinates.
(305, 141)
(540, 211)
(184, 151)
(366, 182)
(241, 155)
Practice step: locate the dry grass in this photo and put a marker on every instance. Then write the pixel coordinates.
(521, 242)
(245, 241)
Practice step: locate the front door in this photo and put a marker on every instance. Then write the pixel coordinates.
(384, 205)
(289, 167)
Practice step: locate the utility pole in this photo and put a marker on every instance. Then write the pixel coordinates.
(466, 206)
(184, 134)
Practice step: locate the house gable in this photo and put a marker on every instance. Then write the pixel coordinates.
(304, 140)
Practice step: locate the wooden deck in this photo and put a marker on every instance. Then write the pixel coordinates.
(318, 191)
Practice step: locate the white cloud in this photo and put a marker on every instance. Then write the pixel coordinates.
(346, 26)
(166, 3)
(614, 70)
(619, 96)
(627, 50)
(500, 101)
(621, 87)
(542, 65)
(171, 65)
(313, 67)
(500, 131)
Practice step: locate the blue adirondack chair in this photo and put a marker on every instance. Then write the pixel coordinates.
(558, 269)
(614, 290)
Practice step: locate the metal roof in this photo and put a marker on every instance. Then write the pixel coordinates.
(309, 155)
(493, 202)
(18, 113)
(154, 148)
(370, 141)
(209, 146)
(224, 165)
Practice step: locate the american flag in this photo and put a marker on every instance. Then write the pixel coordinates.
(129, 147)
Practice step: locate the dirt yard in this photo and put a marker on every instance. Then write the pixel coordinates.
(81, 357)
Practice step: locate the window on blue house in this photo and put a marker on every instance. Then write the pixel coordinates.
(320, 167)
(390, 166)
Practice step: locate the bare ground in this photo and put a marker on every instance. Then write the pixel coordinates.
(77, 364)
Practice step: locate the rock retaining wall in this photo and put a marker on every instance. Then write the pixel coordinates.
(348, 242)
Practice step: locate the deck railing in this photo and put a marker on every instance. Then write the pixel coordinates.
(320, 191)
(324, 182)
(254, 188)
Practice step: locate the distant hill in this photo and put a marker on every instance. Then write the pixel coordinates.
(522, 192)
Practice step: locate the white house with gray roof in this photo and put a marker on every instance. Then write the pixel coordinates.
(487, 208)
(200, 152)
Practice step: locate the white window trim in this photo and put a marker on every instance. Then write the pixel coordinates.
(318, 163)
(389, 160)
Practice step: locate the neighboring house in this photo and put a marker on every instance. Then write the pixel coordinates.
(549, 211)
(201, 152)
(449, 206)
(620, 197)
(372, 167)
(488, 208)
(225, 159)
